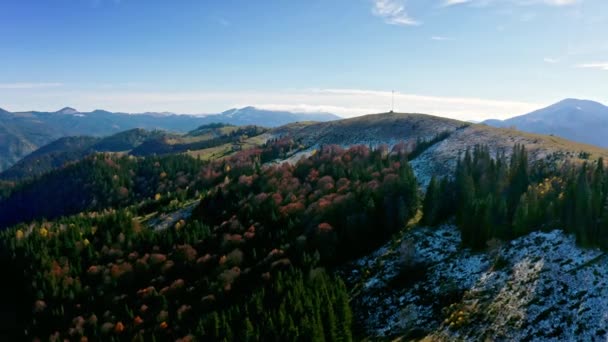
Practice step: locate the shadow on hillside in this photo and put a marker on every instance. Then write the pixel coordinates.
(11, 293)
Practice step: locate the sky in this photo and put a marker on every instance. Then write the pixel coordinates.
(465, 59)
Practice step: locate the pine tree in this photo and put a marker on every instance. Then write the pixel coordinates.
(249, 330)
(520, 220)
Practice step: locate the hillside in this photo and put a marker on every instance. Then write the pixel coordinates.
(392, 128)
(23, 132)
(136, 142)
(70, 149)
(223, 261)
(203, 138)
(538, 287)
(374, 129)
(119, 247)
(21, 135)
(578, 120)
(49, 157)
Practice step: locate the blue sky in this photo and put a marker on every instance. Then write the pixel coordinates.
(469, 59)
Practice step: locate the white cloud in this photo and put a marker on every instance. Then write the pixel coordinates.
(463, 108)
(440, 38)
(599, 66)
(393, 12)
(550, 60)
(561, 2)
(448, 3)
(24, 85)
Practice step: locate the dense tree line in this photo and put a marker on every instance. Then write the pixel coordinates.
(100, 181)
(495, 196)
(160, 146)
(279, 148)
(72, 149)
(423, 144)
(6, 188)
(247, 265)
(339, 202)
(106, 276)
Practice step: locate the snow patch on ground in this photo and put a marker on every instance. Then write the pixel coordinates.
(426, 165)
(538, 287)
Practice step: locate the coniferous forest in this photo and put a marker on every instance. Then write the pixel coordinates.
(495, 196)
(253, 261)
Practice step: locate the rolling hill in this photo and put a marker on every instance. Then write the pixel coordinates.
(70, 149)
(23, 132)
(578, 120)
(440, 158)
(136, 142)
(220, 140)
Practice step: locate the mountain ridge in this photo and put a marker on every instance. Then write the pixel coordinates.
(213, 140)
(574, 119)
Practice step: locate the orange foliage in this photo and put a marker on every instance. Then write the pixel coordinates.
(223, 260)
(157, 258)
(277, 198)
(178, 284)
(119, 328)
(292, 209)
(39, 306)
(186, 253)
(325, 227)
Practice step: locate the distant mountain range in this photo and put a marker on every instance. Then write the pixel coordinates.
(23, 132)
(579, 120)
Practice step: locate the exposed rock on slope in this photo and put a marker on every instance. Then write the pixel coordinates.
(538, 287)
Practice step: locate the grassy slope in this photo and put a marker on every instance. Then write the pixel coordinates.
(394, 127)
(227, 150)
(370, 129)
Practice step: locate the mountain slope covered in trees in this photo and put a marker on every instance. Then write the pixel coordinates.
(441, 157)
(246, 261)
(492, 243)
(70, 149)
(136, 142)
(23, 132)
(249, 247)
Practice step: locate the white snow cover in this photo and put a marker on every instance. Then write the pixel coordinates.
(545, 287)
